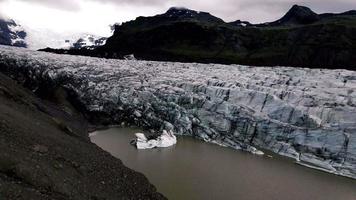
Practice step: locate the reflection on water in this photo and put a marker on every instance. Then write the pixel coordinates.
(197, 170)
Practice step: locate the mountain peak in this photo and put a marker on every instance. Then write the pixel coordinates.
(174, 9)
(297, 9)
(182, 13)
(299, 15)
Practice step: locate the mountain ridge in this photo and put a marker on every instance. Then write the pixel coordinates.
(301, 38)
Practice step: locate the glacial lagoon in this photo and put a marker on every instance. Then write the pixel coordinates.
(194, 169)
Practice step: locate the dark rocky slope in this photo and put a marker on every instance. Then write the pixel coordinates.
(45, 152)
(301, 38)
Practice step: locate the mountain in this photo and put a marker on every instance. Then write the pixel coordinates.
(297, 15)
(174, 14)
(301, 38)
(12, 33)
(301, 15)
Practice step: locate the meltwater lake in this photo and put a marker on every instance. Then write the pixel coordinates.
(194, 169)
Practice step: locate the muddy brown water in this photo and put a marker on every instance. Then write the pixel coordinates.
(193, 169)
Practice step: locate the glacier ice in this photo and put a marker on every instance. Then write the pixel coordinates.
(305, 114)
(166, 139)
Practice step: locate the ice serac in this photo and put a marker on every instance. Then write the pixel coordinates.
(305, 114)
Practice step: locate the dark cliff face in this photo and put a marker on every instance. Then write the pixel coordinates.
(12, 34)
(301, 38)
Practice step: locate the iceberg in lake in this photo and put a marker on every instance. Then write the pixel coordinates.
(167, 139)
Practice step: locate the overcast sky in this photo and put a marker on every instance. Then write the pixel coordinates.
(94, 16)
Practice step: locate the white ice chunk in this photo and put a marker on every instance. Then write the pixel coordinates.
(167, 139)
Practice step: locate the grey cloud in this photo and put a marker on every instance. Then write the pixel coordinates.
(316, 5)
(137, 2)
(252, 10)
(264, 10)
(70, 5)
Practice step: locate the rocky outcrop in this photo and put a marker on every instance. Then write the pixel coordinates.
(306, 114)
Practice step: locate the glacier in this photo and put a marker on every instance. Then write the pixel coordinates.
(306, 114)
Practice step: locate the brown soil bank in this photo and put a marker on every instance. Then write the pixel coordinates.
(45, 153)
